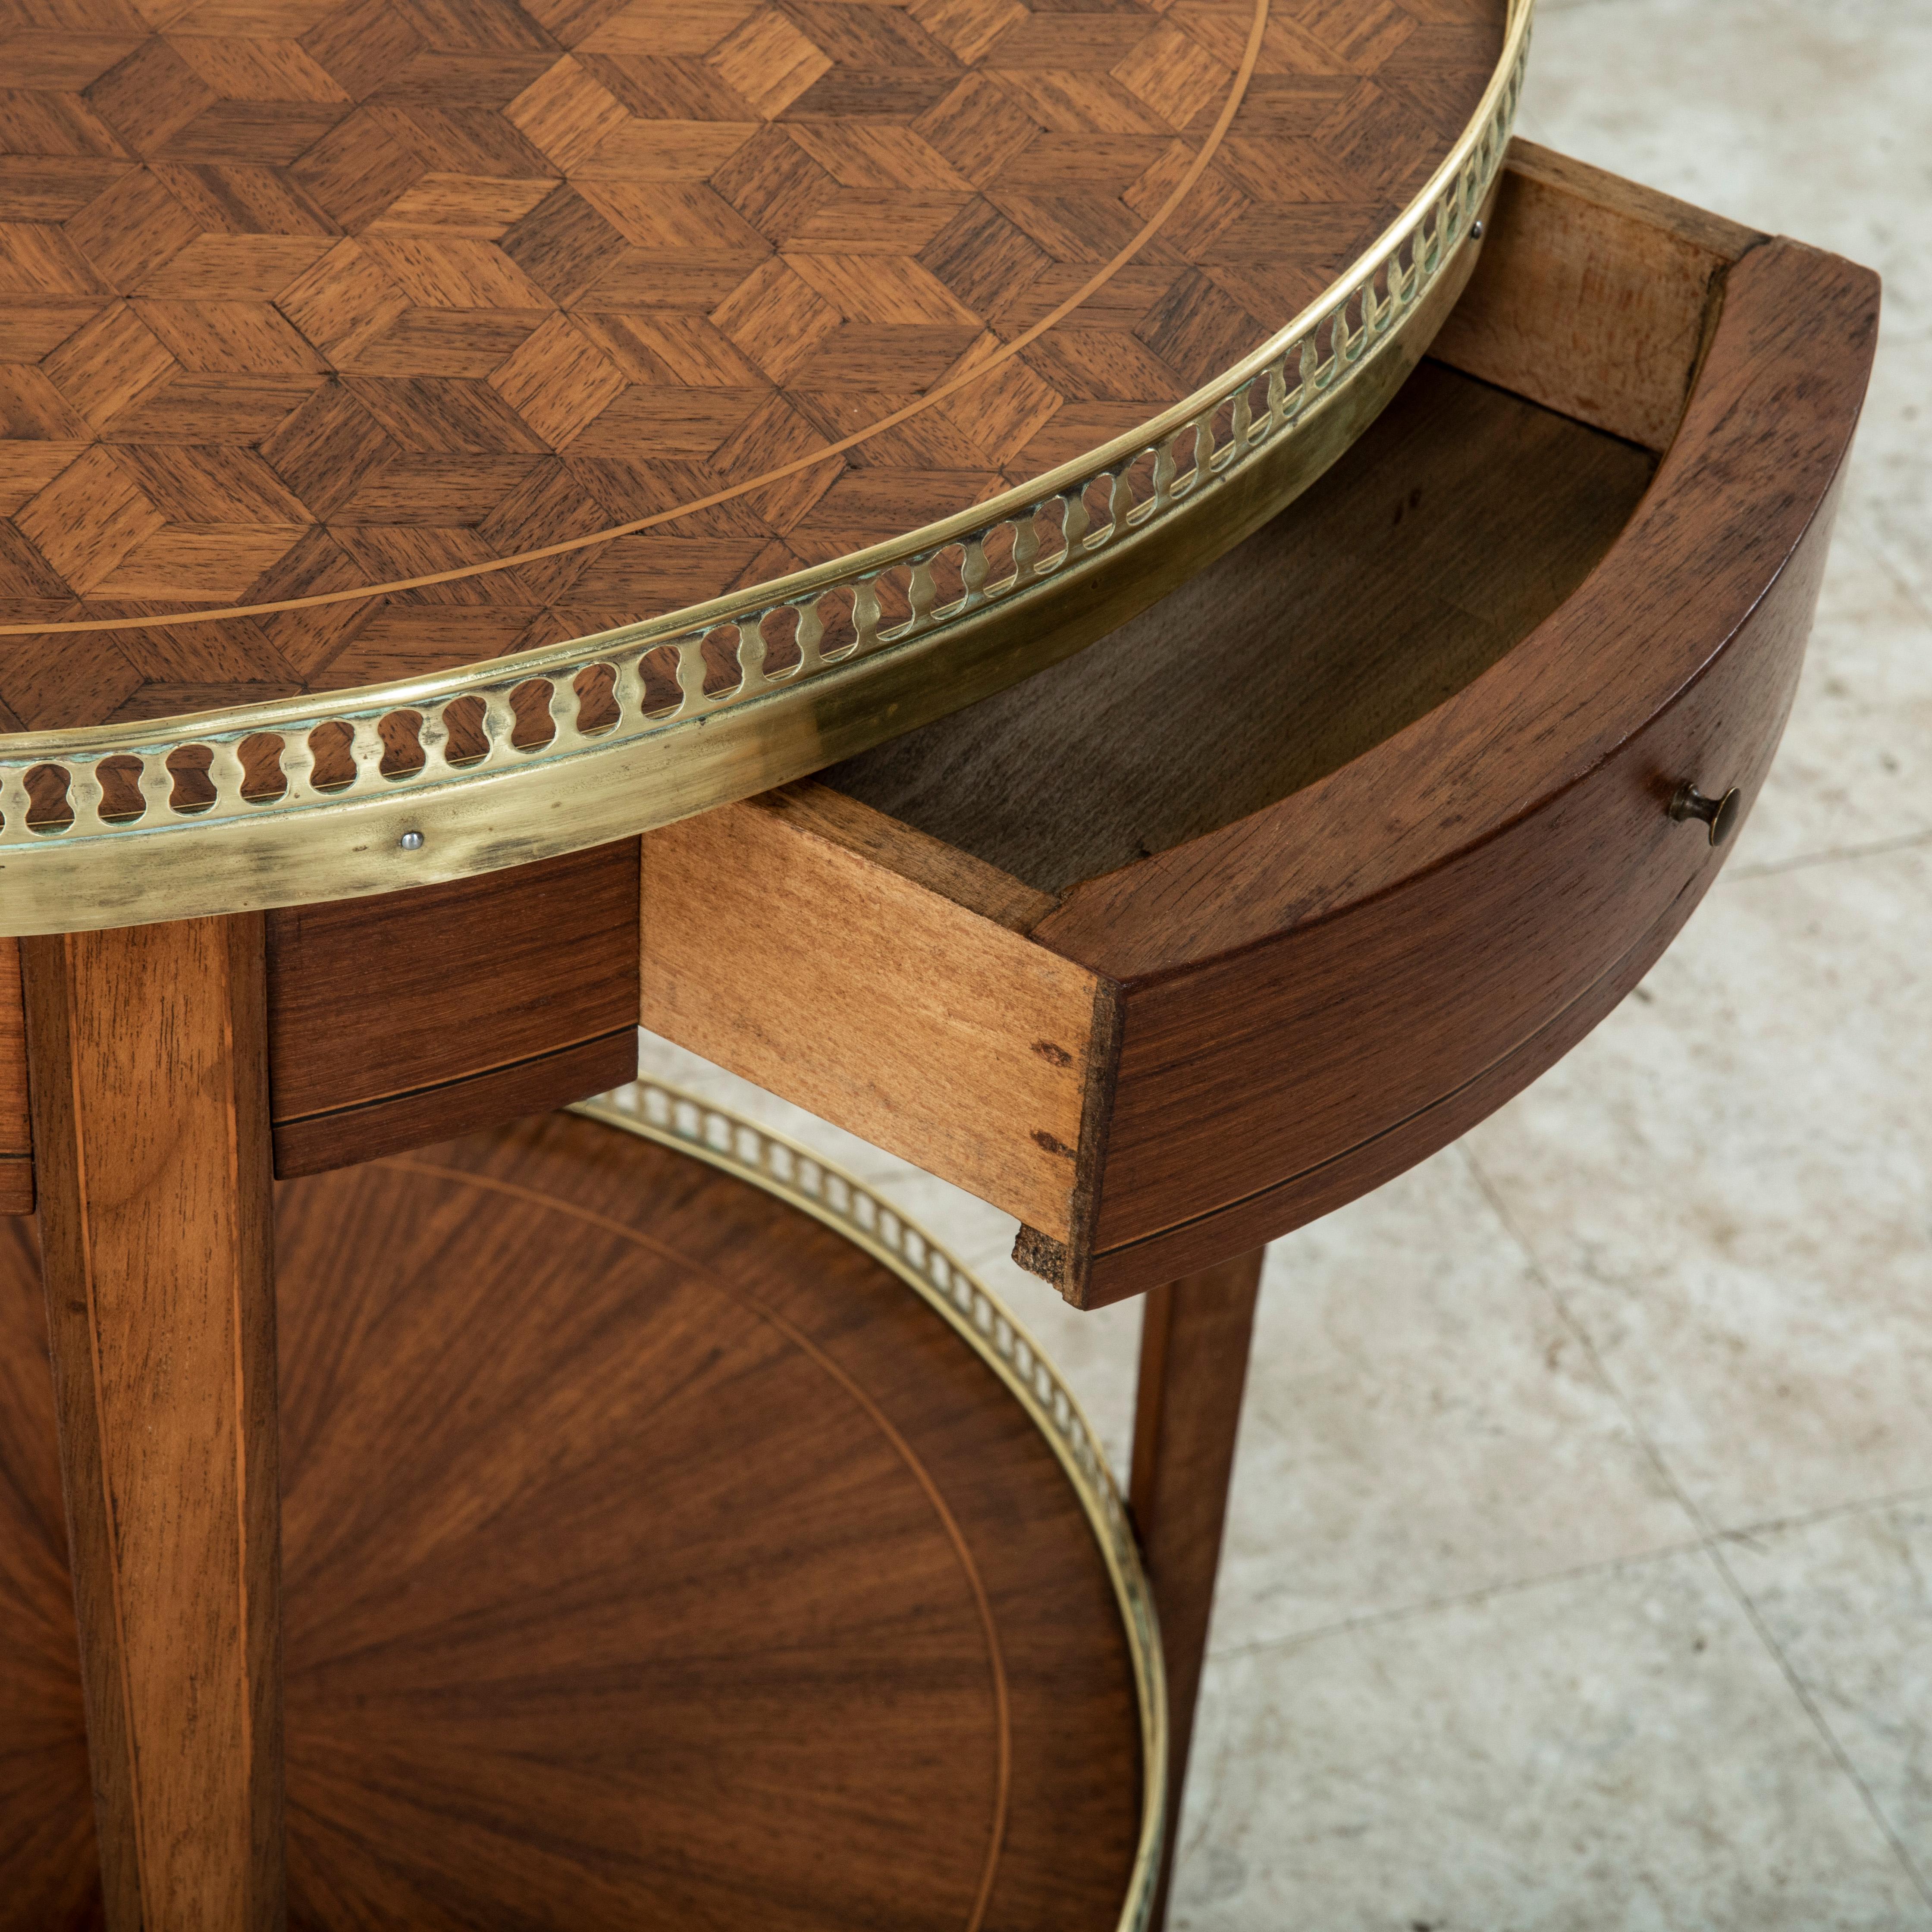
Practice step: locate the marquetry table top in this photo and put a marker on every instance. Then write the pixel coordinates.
(299, 297)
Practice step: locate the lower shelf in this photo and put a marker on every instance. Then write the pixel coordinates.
(651, 1556)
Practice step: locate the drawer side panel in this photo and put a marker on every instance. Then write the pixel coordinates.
(1592, 296)
(793, 940)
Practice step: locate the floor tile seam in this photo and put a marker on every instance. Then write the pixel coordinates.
(1831, 1513)
(1514, 1586)
(1709, 1541)
(1800, 1689)
(1859, 517)
(1862, 519)
(1700, 1528)
(1833, 855)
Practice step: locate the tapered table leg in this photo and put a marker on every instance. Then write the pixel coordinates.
(148, 1067)
(1194, 1361)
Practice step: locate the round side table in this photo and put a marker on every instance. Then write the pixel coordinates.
(464, 470)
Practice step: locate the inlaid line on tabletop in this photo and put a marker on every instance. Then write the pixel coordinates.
(1258, 27)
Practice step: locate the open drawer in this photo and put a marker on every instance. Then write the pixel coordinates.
(1286, 883)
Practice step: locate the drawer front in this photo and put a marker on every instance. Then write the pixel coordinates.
(1257, 1218)
(455, 1007)
(395, 1022)
(1249, 1084)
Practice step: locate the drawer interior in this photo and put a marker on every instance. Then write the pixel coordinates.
(1460, 521)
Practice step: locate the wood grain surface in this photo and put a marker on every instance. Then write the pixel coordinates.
(16, 1139)
(1595, 296)
(155, 1217)
(921, 1009)
(402, 1019)
(1195, 1337)
(303, 298)
(653, 1559)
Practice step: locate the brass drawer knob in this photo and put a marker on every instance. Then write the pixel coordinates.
(1720, 814)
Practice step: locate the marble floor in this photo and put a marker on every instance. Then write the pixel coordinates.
(1579, 1569)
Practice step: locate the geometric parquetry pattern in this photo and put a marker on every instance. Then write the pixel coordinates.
(297, 296)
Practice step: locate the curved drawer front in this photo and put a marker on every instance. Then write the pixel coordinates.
(1255, 1091)
(1338, 970)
